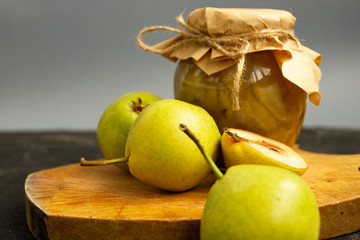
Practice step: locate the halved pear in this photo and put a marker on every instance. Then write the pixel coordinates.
(244, 147)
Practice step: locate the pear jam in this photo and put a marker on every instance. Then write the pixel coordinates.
(270, 105)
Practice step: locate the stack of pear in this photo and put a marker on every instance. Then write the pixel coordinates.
(260, 196)
(158, 154)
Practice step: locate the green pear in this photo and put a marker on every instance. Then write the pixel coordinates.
(117, 119)
(258, 202)
(160, 155)
(244, 147)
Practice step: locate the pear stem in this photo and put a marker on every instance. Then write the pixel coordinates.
(84, 162)
(231, 134)
(207, 157)
(138, 106)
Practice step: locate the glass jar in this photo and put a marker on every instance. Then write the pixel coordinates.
(270, 105)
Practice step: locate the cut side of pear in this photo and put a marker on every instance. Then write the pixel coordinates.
(244, 147)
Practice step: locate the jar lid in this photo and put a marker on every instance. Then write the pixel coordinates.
(234, 21)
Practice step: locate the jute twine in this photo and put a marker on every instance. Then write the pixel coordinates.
(233, 46)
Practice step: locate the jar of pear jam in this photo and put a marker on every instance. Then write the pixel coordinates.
(270, 105)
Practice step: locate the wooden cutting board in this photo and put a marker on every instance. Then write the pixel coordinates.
(74, 202)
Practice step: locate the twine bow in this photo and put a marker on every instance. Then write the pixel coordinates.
(234, 47)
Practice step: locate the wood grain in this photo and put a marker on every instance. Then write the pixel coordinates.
(73, 202)
(335, 181)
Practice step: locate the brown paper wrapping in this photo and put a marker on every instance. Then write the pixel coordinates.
(242, 31)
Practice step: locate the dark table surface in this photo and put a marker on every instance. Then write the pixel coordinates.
(24, 153)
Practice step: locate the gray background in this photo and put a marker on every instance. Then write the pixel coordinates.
(62, 62)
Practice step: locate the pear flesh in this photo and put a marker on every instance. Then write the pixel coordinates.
(257, 202)
(244, 147)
